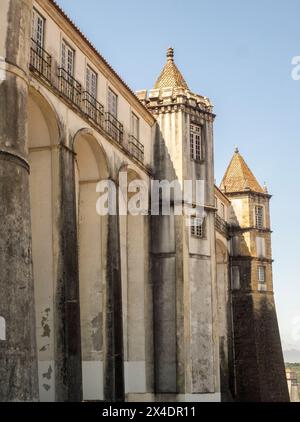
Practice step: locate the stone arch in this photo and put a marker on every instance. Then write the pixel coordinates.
(44, 133)
(91, 167)
(46, 119)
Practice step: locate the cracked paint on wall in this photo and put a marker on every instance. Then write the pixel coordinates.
(45, 323)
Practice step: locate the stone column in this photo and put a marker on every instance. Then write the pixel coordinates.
(113, 354)
(18, 356)
(67, 307)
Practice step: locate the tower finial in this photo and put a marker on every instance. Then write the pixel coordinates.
(170, 54)
(236, 149)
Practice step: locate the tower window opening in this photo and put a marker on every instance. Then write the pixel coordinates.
(259, 216)
(196, 147)
(197, 226)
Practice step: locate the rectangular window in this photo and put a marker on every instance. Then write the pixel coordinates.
(67, 58)
(91, 82)
(222, 211)
(261, 274)
(196, 147)
(197, 226)
(135, 126)
(37, 31)
(112, 103)
(259, 216)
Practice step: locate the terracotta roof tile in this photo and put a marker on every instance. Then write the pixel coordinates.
(239, 177)
(170, 76)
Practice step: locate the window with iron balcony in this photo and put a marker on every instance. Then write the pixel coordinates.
(68, 85)
(112, 125)
(40, 60)
(136, 148)
(92, 108)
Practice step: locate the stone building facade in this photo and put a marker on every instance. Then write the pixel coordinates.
(293, 385)
(122, 306)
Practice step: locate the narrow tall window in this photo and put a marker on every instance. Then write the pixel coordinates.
(259, 216)
(37, 31)
(261, 278)
(135, 126)
(112, 103)
(261, 274)
(91, 82)
(222, 211)
(196, 147)
(197, 226)
(67, 58)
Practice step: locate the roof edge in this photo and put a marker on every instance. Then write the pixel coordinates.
(144, 111)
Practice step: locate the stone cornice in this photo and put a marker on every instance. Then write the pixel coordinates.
(247, 192)
(162, 108)
(238, 229)
(250, 258)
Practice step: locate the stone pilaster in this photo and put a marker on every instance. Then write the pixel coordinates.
(68, 378)
(113, 324)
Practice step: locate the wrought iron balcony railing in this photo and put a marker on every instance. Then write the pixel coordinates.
(113, 127)
(71, 89)
(93, 109)
(69, 86)
(40, 60)
(136, 148)
(221, 225)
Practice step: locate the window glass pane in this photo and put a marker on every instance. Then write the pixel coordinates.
(67, 58)
(259, 216)
(38, 28)
(261, 274)
(91, 82)
(135, 125)
(196, 142)
(112, 103)
(197, 226)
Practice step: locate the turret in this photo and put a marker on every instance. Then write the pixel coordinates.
(259, 365)
(184, 273)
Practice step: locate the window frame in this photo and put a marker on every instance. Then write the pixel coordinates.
(222, 210)
(112, 92)
(136, 118)
(92, 72)
(196, 145)
(261, 270)
(36, 13)
(197, 230)
(259, 225)
(65, 43)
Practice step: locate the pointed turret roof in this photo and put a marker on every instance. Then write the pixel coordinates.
(239, 177)
(170, 76)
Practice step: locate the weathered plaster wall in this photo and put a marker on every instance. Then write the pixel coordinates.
(18, 363)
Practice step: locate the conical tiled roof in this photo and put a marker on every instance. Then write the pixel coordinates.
(239, 177)
(170, 76)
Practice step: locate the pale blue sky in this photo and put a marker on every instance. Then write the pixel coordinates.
(239, 54)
